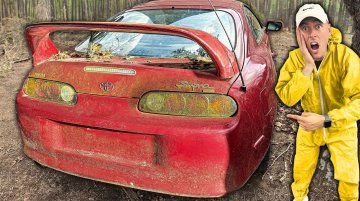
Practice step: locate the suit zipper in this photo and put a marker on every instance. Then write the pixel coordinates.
(321, 96)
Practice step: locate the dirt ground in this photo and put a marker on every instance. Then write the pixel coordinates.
(22, 179)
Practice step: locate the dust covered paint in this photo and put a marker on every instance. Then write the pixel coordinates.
(163, 98)
(193, 86)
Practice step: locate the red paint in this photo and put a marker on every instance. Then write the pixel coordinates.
(105, 137)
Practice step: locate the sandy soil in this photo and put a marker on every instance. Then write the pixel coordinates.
(22, 179)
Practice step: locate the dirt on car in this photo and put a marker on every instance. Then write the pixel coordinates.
(22, 179)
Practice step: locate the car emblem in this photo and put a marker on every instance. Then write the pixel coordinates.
(106, 86)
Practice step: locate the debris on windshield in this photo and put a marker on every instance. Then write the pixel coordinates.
(128, 57)
(95, 54)
(60, 55)
(200, 63)
(199, 59)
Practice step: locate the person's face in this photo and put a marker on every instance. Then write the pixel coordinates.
(316, 35)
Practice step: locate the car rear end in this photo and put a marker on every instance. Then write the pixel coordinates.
(160, 123)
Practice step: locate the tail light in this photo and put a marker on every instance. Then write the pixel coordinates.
(188, 104)
(50, 91)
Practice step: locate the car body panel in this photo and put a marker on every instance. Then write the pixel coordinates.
(105, 137)
(147, 78)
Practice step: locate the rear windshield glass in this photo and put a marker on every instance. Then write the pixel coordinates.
(136, 48)
(204, 20)
(144, 45)
(176, 51)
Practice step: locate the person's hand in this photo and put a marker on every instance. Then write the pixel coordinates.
(309, 121)
(309, 60)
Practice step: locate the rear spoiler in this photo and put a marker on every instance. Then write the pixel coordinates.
(38, 37)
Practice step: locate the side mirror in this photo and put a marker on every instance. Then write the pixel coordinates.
(274, 25)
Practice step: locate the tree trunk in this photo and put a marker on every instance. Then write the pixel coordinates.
(43, 10)
(354, 10)
(65, 10)
(1, 10)
(291, 19)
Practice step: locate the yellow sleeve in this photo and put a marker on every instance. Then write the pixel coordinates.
(351, 85)
(292, 83)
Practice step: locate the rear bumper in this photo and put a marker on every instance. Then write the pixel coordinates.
(118, 144)
(161, 164)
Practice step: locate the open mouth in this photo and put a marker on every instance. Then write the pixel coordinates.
(314, 46)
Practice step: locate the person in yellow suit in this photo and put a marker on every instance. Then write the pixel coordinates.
(325, 76)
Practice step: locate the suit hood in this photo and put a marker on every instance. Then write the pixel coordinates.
(336, 36)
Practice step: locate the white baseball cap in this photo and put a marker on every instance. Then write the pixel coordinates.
(311, 10)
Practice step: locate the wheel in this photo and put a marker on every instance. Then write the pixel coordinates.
(264, 163)
(39, 165)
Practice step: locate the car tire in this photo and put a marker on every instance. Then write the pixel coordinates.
(264, 163)
(39, 165)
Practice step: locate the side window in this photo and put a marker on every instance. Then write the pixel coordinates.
(254, 24)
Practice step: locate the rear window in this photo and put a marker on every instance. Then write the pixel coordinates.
(141, 48)
(205, 20)
(175, 51)
(144, 45)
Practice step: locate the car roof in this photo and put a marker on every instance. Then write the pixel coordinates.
(203, 4)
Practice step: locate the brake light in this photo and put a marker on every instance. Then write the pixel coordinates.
(50, 91)
(188, 104)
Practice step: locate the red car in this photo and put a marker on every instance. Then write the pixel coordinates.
(170, 96)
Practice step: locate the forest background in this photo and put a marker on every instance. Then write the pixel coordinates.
(100, 10)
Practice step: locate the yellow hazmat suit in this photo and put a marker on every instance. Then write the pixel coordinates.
(333, 89)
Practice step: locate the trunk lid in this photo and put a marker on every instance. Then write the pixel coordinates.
(131, 77)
